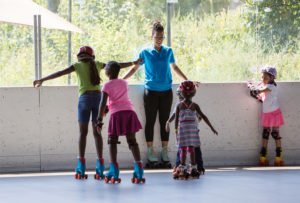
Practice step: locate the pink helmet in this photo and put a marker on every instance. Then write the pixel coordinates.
(187, 87)
(270, 69)
(86, 49)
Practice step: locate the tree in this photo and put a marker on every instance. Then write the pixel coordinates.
(277, 24)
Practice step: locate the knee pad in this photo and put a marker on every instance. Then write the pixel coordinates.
(132, 143)
(113, 140)
(275, 134)
(183, 151)
(191, 149)
(266, 134)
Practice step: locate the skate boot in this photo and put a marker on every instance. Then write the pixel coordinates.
(201, 170)
(183, 174)
(99, 170)
(165, 161)
(80, 170)
(278, 158)
(113, 174)
(263, 157)
(138, 173)
(176, 172)
(152, 160)
(193, 172)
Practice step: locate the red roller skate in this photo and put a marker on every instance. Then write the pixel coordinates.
(80, 170)
(113, 174)
(138, 173)
(99, 170)
(263, 161)
(278, 158)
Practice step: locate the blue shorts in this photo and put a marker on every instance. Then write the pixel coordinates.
(87, 104)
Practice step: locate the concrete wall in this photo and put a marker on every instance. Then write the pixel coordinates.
(39, 130)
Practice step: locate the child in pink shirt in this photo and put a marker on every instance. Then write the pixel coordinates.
(123, 121)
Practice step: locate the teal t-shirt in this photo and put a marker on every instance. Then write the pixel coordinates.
(158, 75)
(82, 70)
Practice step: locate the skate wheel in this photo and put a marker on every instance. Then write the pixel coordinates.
(76, 176)
(112, 180)
(137, 181)
(143, 180)
(264, 163)
(132, 180)
(106, 180)
(85, 176)
(119, 180)
(282, 163)
(98, 177)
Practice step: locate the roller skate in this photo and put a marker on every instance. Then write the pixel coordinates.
(99, 169)
(278, 158)
(80, 170)
(113, 174)
(138, 173)
(193, 172)
(176, 171)
(263, 157)
(183, 174)
(152, 160)
(165, 161)
(201, 170)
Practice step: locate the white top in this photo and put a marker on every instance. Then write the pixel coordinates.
(270, 99)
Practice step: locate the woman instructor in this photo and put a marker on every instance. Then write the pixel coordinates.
(158, 94)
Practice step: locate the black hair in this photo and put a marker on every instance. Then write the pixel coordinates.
(272, 81)
(94, 74)
(157, 27)
(112, 69)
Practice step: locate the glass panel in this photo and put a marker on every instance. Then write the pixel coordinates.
(213, 40)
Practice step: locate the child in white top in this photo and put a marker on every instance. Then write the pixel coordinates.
(271, 115)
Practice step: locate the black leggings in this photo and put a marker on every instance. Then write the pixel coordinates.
(157, 102)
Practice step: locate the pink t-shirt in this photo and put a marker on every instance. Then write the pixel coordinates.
(118, 100)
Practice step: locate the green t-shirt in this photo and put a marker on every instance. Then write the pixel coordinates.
(82, 70)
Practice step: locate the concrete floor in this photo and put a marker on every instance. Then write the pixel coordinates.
(253, 184)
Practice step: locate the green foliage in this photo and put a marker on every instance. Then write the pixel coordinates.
(212, 46)
(277, 24)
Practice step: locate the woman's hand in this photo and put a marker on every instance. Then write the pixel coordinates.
(140, 60)
(37, 83)
(196, 83)
(167, 127)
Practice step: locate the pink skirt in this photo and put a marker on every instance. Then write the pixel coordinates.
(123, 123)
(272, 119)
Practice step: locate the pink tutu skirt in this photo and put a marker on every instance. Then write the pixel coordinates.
(272, 119)
(123, 123)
